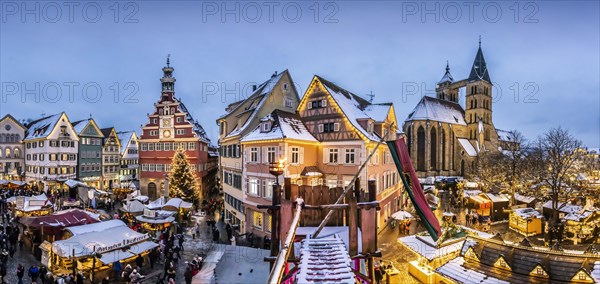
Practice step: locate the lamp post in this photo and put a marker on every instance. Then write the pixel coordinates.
(275, 169)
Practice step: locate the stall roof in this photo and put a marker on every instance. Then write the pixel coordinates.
(133, 206)
(340, 231)
(66, 218)
(156, 204)
(422, 246)
(142, 247)
(112, 256)
(13, 182)
(145, 219)
(497, 197)
(176, 204)
(96, 227)
(36, 198)
(523, 198)
(526, 213)
(479, 199)
(102, 241)
(75, 183)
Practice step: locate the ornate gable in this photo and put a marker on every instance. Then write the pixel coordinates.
(502, 263)
(470, 254)
(539, 271)
(582, 276)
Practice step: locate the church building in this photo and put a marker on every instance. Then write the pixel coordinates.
(444, 138)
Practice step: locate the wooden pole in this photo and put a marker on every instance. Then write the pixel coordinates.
(349, 186)
(276, 200)
(282, 256)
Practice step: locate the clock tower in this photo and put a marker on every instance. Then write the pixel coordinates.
(169, 127)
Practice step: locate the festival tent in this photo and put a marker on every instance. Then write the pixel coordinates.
(175, 204)
(96, 227)
(156, 204)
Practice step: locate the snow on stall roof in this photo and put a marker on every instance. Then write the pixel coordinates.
(96, 227)
(285, 125)
(438, 110)
(454, 269)
(578, 216)
(42, 127)
(523, 198)
(595, 273)
(471, 192)
(497, 197)
(351, 108)
(568, 208)
(469, 149)
(528, 212)
(84, 244)
(324, 260)
(425, 246)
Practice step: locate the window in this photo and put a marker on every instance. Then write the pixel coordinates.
(539, 271)
(168, 146)
(268, 223)
(257, 219)
(158, 146)
(150, 146)
(333, 156)
(582, 276)
(295, 155)
(271, 154)
(328, 127)
(350, 156)
(180, 131)
(316, 104)
(151, 167)
(254, 154)
(41, 144)
(144, 147)
(268, 188)
(41, 156)
(265, 126)
(179, 119)
(253, 186)
(332, 183)
(154, 121)
(289, 102)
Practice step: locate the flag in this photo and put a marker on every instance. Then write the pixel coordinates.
(409, 178)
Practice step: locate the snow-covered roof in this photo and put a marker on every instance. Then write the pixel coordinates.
(175, 204)
(523, 198)
(96, 227)
(74, 183)
(497, 197)
(42, 127)
(455, 270)
(438, 110)
(578, 216)
(469, 149)
(351, 105)
(328, 231)
(324, 260)
(568, 208)
(378, 112)
(197, 128)
(285, 125)
(101, 241)
(503, 135)
(79, 125)
(133, 205)
(526, 213)
(27, 207)
(425, 246)
(125, 137)
(157, 203)
(259, 97)
(471, 192)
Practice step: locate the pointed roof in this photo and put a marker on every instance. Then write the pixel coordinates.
(285, 125)
(438, 110)
(125, 137)
(197, 128)
(107, 131)
(42, 127)
(447, 76)
(479, 70)
(18, 123)
(80, 125)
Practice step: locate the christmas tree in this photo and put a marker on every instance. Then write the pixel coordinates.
(183, 182)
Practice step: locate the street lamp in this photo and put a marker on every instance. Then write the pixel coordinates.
(277, 169)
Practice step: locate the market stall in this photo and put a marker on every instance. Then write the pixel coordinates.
(51, 227)
(37, 205)
(94, 248)
(156, 220)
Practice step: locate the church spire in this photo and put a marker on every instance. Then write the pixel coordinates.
(479, 70)
(447, 76)
(168, 81)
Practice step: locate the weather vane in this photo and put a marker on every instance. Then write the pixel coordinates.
(168, 57)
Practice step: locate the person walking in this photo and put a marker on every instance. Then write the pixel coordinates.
(188, 275)
(139, 261)
(20, 273)
(43, 272)
(34, 273)
(117, 267)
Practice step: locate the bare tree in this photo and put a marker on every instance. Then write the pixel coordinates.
(559, 154)
(514, 159)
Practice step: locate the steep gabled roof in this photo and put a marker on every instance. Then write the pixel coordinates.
(107, 131)
(353, 106)
(447, 76)
(258, 97)
(125, 137)
(197, 128)
(438, 110)
(80, 125)
(42, 127)
(285, 125)
(479, 70)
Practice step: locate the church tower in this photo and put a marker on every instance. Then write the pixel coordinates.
(444, 89)
(478, 105)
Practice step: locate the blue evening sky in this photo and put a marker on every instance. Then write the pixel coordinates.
(543, 57)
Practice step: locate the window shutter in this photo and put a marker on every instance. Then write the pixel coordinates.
(325, 156)
(265, 157)
(336, 126)
(309, 104)
(289, 155)
(324, 103)
(301, 155)
(246, 160)
(320, 128)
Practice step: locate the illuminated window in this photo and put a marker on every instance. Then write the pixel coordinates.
(257, 219)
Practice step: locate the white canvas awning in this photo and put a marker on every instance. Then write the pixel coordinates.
(112, 256)
(175, 204)
(142, 247)
(104, 241)
(96, 227)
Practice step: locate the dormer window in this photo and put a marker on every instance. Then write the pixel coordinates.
(265, 126)
(63, 130)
